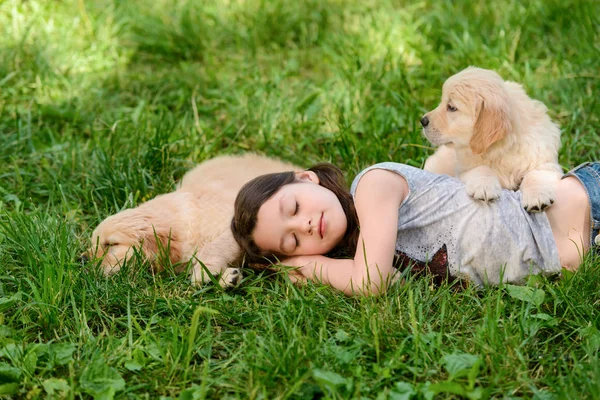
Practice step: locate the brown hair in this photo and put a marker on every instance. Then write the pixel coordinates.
(255, 192)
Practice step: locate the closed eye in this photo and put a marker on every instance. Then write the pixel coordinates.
(297, 208)
(451, 108)
(296, 240)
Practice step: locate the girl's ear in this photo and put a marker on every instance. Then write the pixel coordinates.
(307, 176)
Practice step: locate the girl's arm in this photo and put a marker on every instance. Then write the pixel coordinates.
(377, 200)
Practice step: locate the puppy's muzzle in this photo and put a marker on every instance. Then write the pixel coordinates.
(424, 121)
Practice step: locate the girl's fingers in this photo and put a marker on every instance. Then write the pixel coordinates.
(297, 278)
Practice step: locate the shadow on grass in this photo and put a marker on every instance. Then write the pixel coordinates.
(149, 89)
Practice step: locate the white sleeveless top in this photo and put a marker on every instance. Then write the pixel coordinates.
(484, 242)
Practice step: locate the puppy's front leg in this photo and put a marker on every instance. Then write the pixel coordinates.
(229, 278)
(538, 188)
(443, 161)
(216, 256)
(482, 183)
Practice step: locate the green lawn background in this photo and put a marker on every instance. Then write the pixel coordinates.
(105, 104)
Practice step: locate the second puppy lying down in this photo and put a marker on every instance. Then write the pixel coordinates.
(493, 136)
(190, 224)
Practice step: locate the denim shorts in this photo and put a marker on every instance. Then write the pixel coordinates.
(589, 175)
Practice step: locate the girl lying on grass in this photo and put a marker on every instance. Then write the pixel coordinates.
(393, 211)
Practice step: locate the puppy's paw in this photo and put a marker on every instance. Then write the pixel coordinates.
(537, 199)
(231, 277)
(484, 188)
(201, 275)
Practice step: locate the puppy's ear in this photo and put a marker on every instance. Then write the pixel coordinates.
(160, 245)
(492, 122)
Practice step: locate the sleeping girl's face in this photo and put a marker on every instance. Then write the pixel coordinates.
(301, 218)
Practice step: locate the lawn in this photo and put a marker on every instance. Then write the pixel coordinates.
(105, 104)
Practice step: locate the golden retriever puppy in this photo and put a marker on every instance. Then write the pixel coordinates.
(492, 136)
(190, 224)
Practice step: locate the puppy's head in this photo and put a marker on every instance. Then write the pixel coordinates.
(475, 111)
(121, 236)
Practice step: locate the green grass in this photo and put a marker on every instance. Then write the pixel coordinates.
(105, 104)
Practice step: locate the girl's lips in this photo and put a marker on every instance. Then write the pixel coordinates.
(322, 226)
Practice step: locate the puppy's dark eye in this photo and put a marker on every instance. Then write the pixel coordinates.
(451, 108)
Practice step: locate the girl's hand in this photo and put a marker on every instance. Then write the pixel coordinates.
(304, 266)
(296, 261)
(296, 274)
(296, 277)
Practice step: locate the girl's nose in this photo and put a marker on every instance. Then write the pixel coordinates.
(304, 225)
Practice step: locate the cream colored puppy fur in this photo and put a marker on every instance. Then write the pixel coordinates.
(492, 136)
(191, 223)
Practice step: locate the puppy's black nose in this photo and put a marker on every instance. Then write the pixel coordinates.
(84, 259)
(424, 121)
